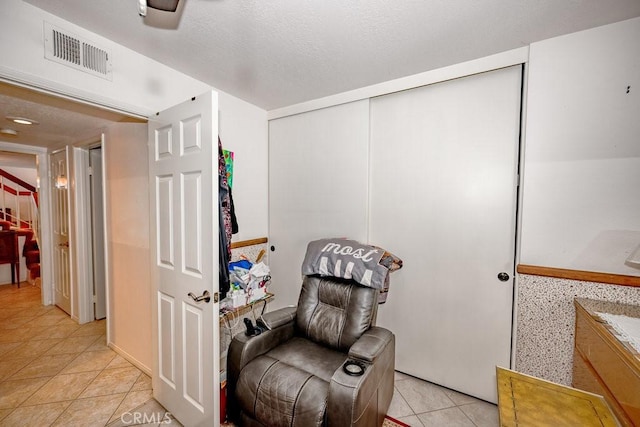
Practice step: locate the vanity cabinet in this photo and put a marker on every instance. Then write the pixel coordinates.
(605, 364)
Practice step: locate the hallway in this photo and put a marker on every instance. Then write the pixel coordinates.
(54, 372)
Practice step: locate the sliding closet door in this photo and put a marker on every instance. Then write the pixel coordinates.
(443, 198)
(318, 172)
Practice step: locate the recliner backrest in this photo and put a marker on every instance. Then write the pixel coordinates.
(335, 312)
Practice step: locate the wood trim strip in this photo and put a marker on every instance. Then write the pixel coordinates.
(589, 276)
(251, 242)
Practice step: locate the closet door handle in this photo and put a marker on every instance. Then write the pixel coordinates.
(503, 277)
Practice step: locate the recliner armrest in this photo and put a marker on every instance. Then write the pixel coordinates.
(371, 344)
(276, 318)
(243, 349)
(362, 401)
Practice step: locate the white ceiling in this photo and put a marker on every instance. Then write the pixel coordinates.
(275, 53)
(60, 121)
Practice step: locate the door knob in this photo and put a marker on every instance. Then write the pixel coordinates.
(503, 277)
(206, 297)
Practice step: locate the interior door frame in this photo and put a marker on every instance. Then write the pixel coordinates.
(44, 202)
(82, 228)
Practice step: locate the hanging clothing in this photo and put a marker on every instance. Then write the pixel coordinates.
(228, 224)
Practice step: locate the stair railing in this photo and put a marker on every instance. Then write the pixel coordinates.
(18, 202)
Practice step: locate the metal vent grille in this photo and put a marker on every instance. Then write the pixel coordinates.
(66, 48)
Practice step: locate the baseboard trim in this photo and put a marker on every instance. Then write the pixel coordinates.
(135, 362)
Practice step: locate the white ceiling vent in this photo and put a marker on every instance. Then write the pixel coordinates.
(68, 49)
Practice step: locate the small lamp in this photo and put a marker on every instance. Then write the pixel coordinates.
(634, 259)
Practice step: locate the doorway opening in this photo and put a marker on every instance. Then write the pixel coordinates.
(19, 219)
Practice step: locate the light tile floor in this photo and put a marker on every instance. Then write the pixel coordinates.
(423, 404)
(55, 372)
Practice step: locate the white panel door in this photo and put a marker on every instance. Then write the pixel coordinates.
(60, 219)
(318, 172)
(444, 164)
(184, 240)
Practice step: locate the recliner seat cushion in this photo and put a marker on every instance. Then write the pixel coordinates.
(277, 394)
(309, 357)
(333, 314)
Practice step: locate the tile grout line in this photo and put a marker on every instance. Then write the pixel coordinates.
(125, 395)
(89, 384)
(9, 378)
(59, 373)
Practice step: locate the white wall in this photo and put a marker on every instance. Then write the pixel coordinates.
(139, 85)
(143, 86)
(581, 205)
(243, 130)
(127, 223)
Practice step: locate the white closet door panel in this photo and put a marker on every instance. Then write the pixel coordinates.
(318, 173)
(443, 198)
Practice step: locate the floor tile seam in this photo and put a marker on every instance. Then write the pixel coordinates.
(62, 412)
(8, 414)
(477, 401)
(73, 360)
(53, 354)
(33, 378)
(465, 414)
(100, 371)
(415, 415)
(44, 338)
(61, 369)
(14, 318)
(453, 404)
(143, 404)
(441, 409)
(22, 405)
(30, 359)
(404, 400)
(34, 392)
(78, 395)
(118, 406)
(108, 394)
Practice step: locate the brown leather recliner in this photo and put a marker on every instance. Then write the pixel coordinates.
(293, 373)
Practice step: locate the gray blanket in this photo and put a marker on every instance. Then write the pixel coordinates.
(346, 259)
